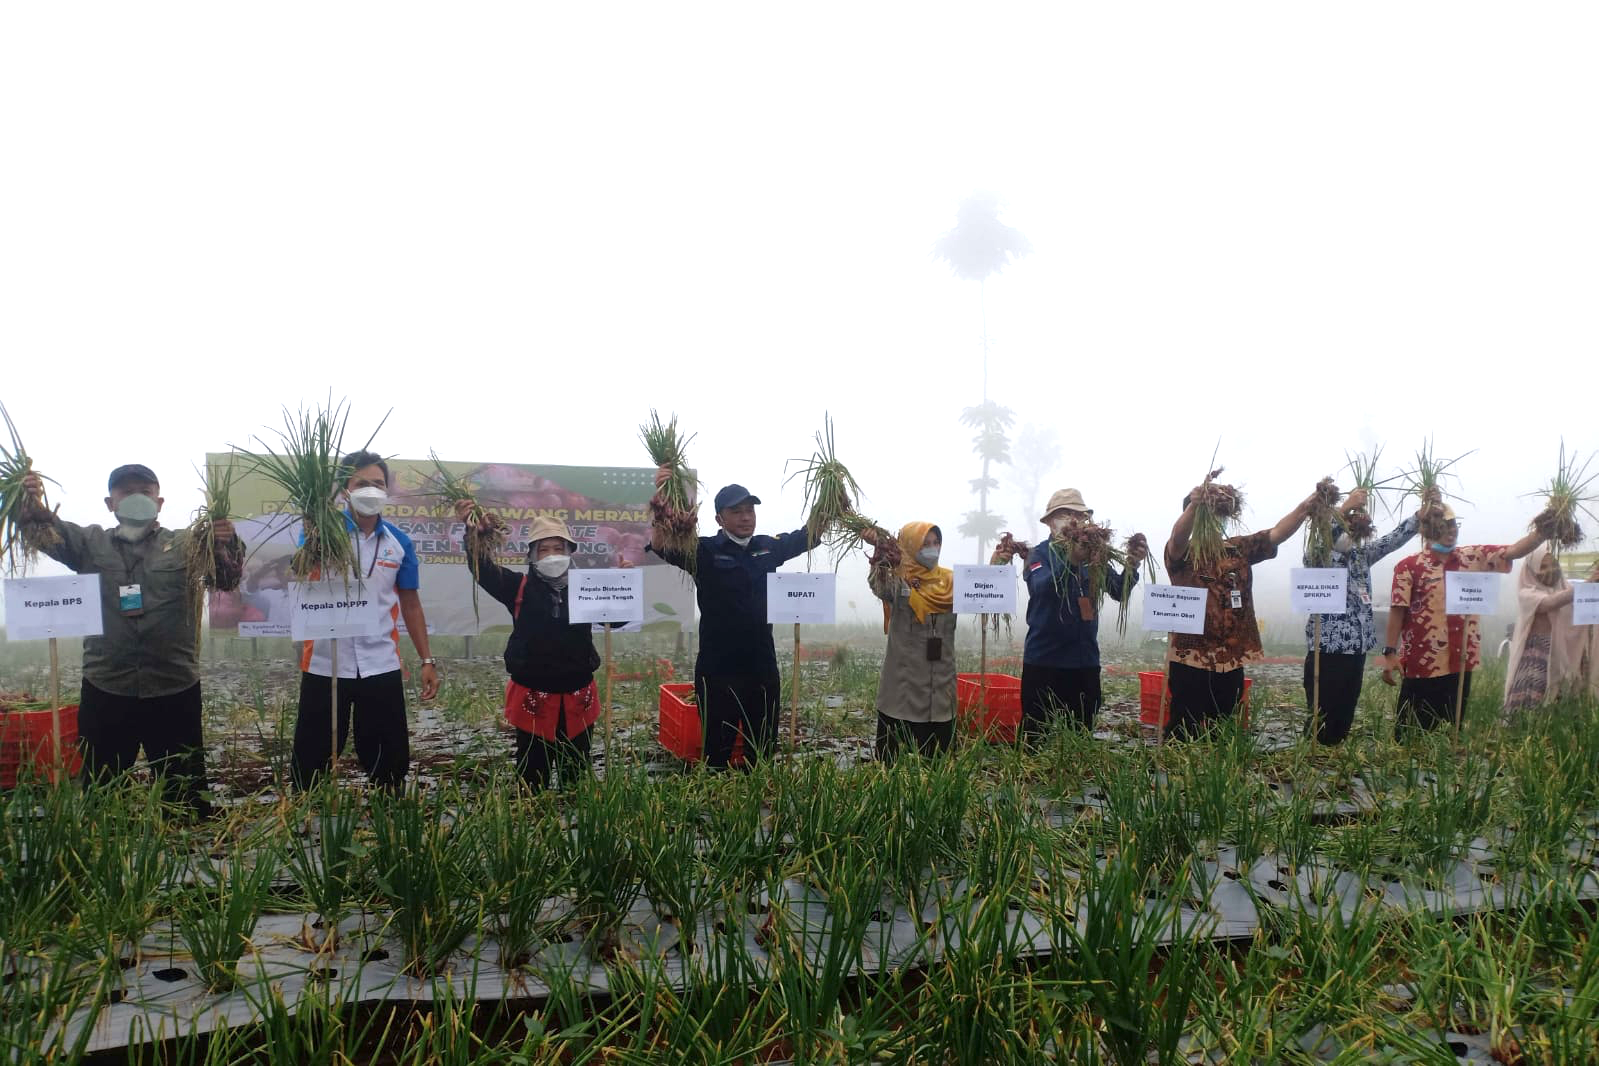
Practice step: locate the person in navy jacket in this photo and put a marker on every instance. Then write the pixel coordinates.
(1060, 661)
(735, 675)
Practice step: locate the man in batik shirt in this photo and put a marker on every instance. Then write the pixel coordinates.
(1346, 639)
(1206, 672)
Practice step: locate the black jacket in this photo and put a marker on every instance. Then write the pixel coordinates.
(735, 637)
(546, 652)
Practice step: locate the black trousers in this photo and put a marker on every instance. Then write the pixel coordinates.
(382, 742)
(112, 729)
(1049, 693)
(731, 704)
(1428, 702)
(566, 756)
(1201, 697)
(1342, 674)
(928, 738)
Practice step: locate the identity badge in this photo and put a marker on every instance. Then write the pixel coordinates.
(130, 599)
(1238, 599)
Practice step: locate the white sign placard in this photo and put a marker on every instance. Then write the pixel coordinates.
(985, 589)
(606, 595)
(1470, 592)
(804, 598)
(1318, 590)
(1174, 609)
(38, 608)
(335, 608)
(1584, 603)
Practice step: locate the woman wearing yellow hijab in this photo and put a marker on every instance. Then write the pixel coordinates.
(916, 693)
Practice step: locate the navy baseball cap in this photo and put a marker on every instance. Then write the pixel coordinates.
(130, 472)
(733, 495)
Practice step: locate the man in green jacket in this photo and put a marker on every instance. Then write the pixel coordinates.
(141, 677)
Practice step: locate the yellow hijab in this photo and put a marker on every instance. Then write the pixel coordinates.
(932, 590)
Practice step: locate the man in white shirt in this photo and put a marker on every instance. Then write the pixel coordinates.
(370, 683)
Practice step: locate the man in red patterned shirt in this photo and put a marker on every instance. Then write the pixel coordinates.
(1424, 643)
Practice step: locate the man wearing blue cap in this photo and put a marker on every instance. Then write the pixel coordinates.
(735, 675)
(141, 676)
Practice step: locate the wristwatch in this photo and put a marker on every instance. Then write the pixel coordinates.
(429, 662)
(1386, 651)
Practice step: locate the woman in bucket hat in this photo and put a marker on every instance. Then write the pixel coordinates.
(551, 699)
(1060, 660)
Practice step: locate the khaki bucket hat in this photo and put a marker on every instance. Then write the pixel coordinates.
(545, 527)
(1067, 499)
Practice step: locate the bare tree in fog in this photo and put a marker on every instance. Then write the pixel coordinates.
(992, 446)
(979, 246)
(1037, 454)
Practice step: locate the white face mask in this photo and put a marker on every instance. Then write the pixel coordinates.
(368, 500)
(135, 513)
(742, 542)
(928, 557)
(1059, 524)
(552, 566)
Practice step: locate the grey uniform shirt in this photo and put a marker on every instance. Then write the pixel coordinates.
(152, 653)
(913, 688)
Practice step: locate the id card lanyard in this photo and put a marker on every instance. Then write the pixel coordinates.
(377, 548)
(130, 597)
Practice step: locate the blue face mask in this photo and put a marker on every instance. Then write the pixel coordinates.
(1442, 549)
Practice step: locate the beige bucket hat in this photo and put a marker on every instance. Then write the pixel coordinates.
(545, 527)
(1066, 499)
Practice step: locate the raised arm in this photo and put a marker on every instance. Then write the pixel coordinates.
(1177, 546)
(495, 579)
(1394, 539)
(661, 536)
(1117, 582)
(69, 546)
(1534, 537)
(1289, 524)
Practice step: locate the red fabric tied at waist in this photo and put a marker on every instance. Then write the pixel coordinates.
(538, 712)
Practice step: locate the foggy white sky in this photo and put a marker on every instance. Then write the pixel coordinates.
(1303, 229)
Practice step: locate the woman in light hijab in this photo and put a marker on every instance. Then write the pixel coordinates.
(1546, 651)
(916, 693)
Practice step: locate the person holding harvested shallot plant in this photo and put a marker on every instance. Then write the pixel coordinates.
(1060, 660)
(1425, 646)
(551, 699)
(916, 691)
(1346, 639)
(736, 680)
(371, 686)
(1546, 650)
(1206, 670)
(141, 677)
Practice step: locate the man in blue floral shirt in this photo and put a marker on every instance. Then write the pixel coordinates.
(1347, 638)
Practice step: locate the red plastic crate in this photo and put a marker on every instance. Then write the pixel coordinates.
(1150, 710)
(27, 739)
(991, 708)
(680, 730)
